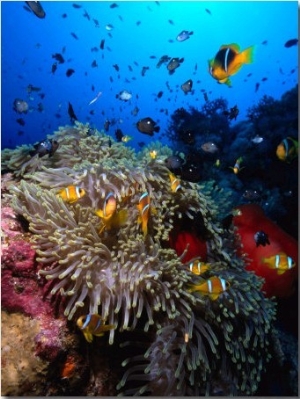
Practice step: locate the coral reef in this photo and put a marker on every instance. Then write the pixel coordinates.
(188, 343)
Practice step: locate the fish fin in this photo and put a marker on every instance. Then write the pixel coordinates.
(119, 219)
(214, 296)
(88, 336)
(247, 56)
(233, 46)
(157, 129)
(281, 271)
(99, 213)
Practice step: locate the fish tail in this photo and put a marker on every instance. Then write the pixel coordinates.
(247, 56)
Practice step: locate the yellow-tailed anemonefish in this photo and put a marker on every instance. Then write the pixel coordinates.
(237, 166)
(228, 61)
(197, 267)
(109, 215)
(213, 287)
(175, 183)
(144, 209)
(93, 324)
(71, 194)
(280, 262)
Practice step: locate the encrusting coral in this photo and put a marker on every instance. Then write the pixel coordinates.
(194, 345)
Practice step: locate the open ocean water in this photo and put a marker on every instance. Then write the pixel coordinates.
(135, 35)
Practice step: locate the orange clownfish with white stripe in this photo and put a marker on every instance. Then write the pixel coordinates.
(175, 183)
(213, 287)
(280, 262)
(144, 209)
(197, 267)
(228, 61)
(71, 194)
(93, 324)
(109, 215)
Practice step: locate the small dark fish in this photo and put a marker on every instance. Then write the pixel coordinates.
(265, 42)
(116, 66)
(94, 64)
(113, 5)
(290, 43)
(256, 87)
(54, 67)
(40, 107)
(96, 22)
(58, 58)
(69, 72)
(232, 113)
(64, 16)
(130, 68)
(138, 23)
(251, 195)
(86, 15)
(20, 133)
(171, 22)
(71, 113)
(20, 121)
(74, 35)
(45, 147)
(31, 88)
(147, 126)
(20, 106)
(76, 5)
(119, 135)
(106, 125)
(173, 64)
(184, 35)
(36, 8)
(144, 69)
(135, 111)
(162, 60)
(187, 86)
(261, 238)
(264, 79)
(102, 44)
(208, 11)
(93, 49)
(159, 94)
(141, 144)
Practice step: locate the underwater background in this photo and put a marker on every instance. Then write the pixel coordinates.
(140, 34)
(121, 107)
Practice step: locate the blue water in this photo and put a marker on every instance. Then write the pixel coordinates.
(140, 30)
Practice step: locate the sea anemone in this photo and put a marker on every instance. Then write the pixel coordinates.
(194, 345)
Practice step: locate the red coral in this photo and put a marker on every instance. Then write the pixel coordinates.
(19, 256)
(196, 246)
(251, 220)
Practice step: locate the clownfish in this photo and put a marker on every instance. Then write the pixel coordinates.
(281, 262)
(287, 150)
(71, 194)
(175, 183)
(228, 61)
(237, 166)
(197, 267)
(93, 324)
(212, 287)
(109, 216)
(144, 209)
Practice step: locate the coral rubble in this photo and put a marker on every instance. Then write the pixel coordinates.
(188, 343)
